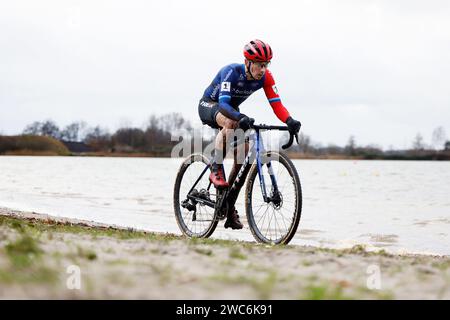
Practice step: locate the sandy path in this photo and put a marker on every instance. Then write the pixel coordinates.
(36, 255)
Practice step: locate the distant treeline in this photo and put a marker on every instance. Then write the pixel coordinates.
(418, 150)
(154, 139)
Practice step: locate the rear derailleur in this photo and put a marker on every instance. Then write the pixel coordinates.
(190, 203)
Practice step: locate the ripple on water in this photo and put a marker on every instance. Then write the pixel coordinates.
(381, 238)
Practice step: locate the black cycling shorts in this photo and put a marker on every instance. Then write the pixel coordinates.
(208, 110)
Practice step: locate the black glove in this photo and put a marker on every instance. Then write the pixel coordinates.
(245, 122)
(293, 125)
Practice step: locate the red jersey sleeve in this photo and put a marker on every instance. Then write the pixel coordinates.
(274, 99)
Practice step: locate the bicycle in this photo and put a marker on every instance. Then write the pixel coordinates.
(198, 209)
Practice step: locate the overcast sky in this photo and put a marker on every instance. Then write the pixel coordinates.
(378, 70)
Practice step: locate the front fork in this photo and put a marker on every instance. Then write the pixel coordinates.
(274, 192)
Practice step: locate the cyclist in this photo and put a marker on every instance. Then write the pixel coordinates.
(219, 108)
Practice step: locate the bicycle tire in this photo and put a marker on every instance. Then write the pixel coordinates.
(292, 229)
(209, 229)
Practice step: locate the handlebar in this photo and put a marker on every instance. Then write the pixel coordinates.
(291, 140)
(258, 127)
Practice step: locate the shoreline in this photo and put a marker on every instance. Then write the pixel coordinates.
(121, 263)
(60, 220)
(292, 156)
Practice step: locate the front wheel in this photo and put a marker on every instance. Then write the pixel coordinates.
(275, 219)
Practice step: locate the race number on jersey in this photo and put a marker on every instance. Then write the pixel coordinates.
(225, 86)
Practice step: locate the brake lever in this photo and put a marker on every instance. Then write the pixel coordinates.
(289, 143)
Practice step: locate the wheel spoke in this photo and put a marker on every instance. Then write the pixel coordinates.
(263, 215)
(270, 220)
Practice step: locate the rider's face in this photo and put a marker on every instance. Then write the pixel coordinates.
(258, 69)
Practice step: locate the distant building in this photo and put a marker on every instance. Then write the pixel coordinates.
(77, 147)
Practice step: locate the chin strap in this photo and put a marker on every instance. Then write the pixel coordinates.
(249, 71)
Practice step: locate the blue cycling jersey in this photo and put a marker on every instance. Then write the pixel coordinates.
(230, 88)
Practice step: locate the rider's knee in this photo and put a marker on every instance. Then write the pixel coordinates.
(230, 124)
(225, 122)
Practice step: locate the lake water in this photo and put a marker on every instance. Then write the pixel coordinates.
(395, 205)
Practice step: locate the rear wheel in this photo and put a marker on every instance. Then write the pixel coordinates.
(195, 219)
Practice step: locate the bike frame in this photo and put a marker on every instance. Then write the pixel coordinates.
(255, 152)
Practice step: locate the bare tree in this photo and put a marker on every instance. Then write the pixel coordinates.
(418, 143)
(438, 138)
(49, 128)
(152, 123)
(447, 146)
(133, 137)
(98, 138)
(33, 128)
(334, 149)
(175, 124)
(46, 128)
(171, 122)
(305, 142)
(350, 148)
(72, 132)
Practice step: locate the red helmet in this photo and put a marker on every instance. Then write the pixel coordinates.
(257, 50)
